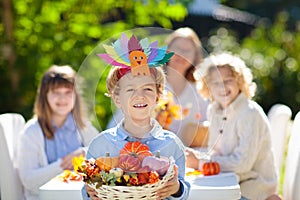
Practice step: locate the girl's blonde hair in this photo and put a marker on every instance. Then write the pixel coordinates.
(112, 81)
(56, 77)
(238, 67)
(188, 33)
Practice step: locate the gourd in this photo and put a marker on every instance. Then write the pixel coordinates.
(129, 163)
(157, 163)
(211, 168)
(118, 172)
(136, 149)
(106, 162)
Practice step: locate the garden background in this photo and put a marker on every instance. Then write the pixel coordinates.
(37, 34)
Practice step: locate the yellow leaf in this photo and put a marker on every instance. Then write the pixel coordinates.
(126, 177)
(77, 162)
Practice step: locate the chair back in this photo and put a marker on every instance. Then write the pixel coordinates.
(292, 169)
(11, 125)
(279, 117)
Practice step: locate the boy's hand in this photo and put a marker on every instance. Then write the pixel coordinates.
(170, 188)
(92, 193)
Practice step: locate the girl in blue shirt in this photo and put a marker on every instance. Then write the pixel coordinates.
(57, 133)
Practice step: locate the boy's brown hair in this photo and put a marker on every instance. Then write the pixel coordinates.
(112, 81)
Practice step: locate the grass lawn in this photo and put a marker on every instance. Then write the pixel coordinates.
(281, 180)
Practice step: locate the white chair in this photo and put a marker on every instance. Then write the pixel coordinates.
(279, 117)
(292, 168)
(10, 185)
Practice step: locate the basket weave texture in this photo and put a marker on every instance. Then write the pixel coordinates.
(147, 191)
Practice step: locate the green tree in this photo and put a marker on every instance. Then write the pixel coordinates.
(269, 9)
(37, 34)
(272, 52)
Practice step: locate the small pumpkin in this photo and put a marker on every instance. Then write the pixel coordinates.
(157, 163)
(211, 168)
(106, 162)
(118, 172)
(136, 149)
(129, 163)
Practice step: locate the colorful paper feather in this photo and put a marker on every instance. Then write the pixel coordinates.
(124, 52)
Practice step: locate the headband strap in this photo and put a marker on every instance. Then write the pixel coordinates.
(123, 71)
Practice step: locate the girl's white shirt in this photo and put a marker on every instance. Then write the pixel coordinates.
(32, 164)
(242, 133)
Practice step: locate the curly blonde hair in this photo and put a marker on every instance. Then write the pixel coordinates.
(238, 67)
(112, 81)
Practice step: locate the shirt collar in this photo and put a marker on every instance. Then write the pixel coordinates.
(122, 134)
(239, 101)
(69, 124)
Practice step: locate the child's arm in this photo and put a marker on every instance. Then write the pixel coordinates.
(176, 188)
(192, 158)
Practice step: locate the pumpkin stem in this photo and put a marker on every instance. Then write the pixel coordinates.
(107, 154)
(133, 154)
(158, 154)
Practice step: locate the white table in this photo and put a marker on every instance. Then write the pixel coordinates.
(223, 186)
(55, 189)
(218, 187)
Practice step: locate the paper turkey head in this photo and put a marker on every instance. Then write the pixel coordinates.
(135, 56)
(138, 58)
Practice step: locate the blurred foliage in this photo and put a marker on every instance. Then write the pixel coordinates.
(272, 52)
(269, 9)
(37, 34)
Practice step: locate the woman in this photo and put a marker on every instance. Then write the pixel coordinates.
(187, 47)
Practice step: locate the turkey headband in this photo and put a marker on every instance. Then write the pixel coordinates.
(134, 56)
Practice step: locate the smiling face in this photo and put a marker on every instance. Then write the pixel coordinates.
(184, 56)
(137, 98)
(137, 58)
(223, 86)
(61, 101)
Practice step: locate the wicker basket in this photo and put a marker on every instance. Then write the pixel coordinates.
(147, 191)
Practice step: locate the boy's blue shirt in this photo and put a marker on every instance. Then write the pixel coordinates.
(114, 139)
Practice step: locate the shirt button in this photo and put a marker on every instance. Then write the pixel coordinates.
(221, 131)
(224, 118)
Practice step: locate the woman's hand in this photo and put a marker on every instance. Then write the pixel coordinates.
(92, 193)
(274, 197)
(171, 187)
(66, 163)
(192, 158)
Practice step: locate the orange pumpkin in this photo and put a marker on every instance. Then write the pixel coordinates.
(136, 149)
(210, 168)
(106, 163)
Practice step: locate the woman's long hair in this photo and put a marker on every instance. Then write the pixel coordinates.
(188, 33)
